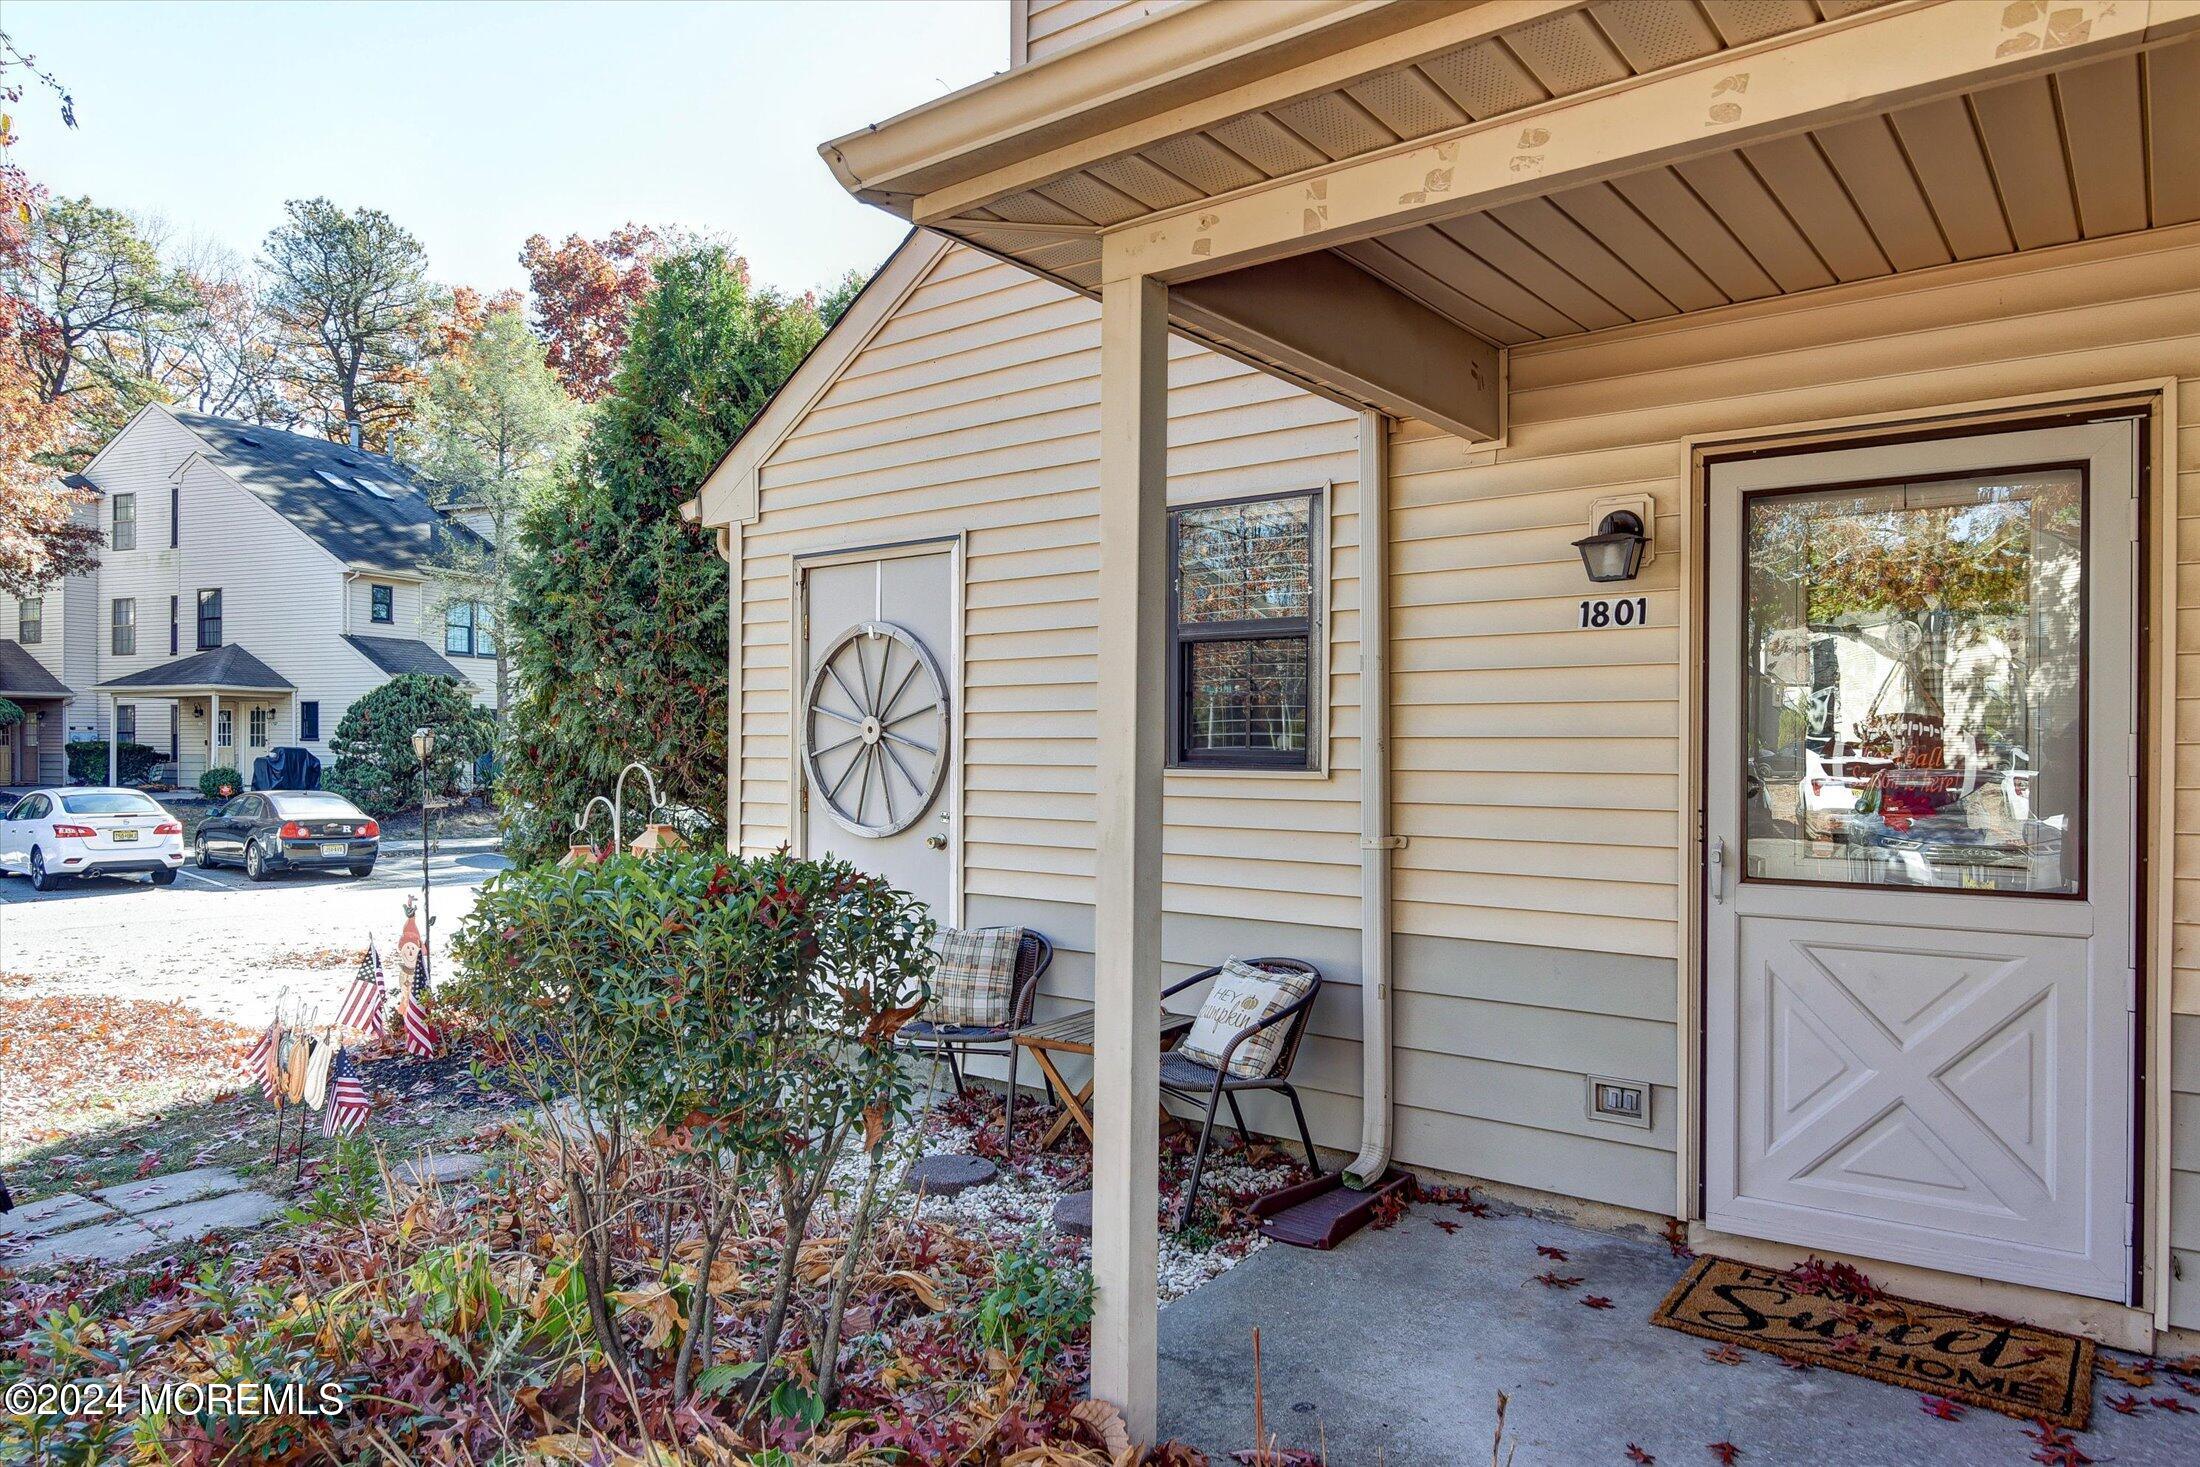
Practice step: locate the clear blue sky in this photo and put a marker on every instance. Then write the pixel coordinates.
(478, 124)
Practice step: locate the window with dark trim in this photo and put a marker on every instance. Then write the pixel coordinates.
(484, 632)
(309, 721)
(458, 629)
(210, 619)
(175, 515)
(1243, 604)
(382, 603)
(122, 627)
(124, 535)
(30, 620)
(256, 728)
(126, 723)
(175, 617)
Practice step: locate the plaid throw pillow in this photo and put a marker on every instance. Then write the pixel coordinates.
(1241, 997)
(976, 978)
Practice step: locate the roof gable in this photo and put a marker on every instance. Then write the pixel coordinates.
(729, 496)
(362, 508)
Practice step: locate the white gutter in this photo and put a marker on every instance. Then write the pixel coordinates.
(1376, 841)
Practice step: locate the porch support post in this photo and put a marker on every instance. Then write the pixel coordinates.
(1126, 1183)
(114, 740)
(213, 727)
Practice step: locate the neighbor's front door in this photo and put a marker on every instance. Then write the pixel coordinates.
(874, 728)
(1919, 833)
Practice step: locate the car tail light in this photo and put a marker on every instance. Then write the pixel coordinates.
(1817, 786)
(292, 830)
(371, 830)
(169, 827)
(73, 832)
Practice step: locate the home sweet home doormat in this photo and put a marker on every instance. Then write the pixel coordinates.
(2032, 1374)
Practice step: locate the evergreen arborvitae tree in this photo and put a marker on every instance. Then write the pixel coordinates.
(618, 624)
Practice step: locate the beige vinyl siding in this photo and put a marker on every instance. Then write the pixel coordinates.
(2184, 1198)
(1052, 26)
(976, 410)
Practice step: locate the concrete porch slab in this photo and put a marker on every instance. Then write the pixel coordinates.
(170, 1188)
(1397, 1343)
(50, 1215)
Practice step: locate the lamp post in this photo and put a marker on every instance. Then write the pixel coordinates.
(423, 742)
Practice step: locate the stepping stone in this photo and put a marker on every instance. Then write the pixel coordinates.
(170, 1188)
(448, 1166)
(188, 1220)
(1073, 1214)
(945, 1175)
(125, 1237)
(50, 1215)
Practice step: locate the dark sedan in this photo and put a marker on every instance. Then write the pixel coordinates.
(288, 830)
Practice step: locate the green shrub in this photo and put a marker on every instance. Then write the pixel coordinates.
(220, 782)
(88, 761)
(375, 764)
(1037, 1308)
(740, 1012)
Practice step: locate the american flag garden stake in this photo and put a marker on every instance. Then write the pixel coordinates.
(362, 1011)
(348, 1103)
(412, 1012)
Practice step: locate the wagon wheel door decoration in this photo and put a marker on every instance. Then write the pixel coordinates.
(874, 729)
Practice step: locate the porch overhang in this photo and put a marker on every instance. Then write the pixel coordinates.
(1516, 172)
(229, 669)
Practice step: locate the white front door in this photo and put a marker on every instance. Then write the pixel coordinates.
(874, 720)
(1921, 725)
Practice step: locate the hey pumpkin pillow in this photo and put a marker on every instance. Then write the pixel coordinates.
(1241, 997)
(976, 979)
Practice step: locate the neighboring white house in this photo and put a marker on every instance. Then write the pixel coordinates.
(255, 584)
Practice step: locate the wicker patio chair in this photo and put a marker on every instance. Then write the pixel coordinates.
(1033, 956)
(1190, 1080)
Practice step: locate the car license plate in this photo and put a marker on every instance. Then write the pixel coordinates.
(334, 848)
(125, 835)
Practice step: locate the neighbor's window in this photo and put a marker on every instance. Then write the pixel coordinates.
(30, 624)
(210, 619)
(458, 629)
(123, 631)
(257, 723)
(126, 723)
(309, 721)
(484, 630)
(382, 605)
(1241, 634)
(175, 611)
(125, 528)
(175, 515)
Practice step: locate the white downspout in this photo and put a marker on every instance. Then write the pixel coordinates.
(1376, 841)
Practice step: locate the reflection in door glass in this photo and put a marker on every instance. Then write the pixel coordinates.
(1913, 684)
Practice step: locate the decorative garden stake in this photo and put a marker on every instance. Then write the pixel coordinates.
(424, 746)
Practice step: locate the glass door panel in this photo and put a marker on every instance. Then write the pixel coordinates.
(1913, 684)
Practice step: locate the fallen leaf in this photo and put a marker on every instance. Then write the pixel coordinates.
(1446, 1224)
(1552, 1279)
(1549, 1252)
(2173, 1404)
(1726, 1452)
(1638, 1456)
(1596, 1301)
(1106, 1423)
(1940, 1408)
(1724, 1355)
(2130, 1375)
(2126, 1404)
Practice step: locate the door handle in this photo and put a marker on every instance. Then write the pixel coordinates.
(936, 842)
(1717, 857)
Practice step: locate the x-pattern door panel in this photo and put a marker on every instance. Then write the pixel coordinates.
(1919, 813)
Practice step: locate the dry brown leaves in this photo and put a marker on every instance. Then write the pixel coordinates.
(66, 1053)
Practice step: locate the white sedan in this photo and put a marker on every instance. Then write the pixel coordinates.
(52, 833)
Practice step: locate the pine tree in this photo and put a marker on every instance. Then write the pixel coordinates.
(618, 624)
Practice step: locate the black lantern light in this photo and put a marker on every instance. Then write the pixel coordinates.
(1614, 552)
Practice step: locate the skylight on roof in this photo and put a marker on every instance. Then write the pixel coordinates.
(335, 481)
(377, 490)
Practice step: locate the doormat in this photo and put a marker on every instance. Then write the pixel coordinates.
(2016, 1369)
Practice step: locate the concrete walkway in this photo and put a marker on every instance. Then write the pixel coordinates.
(121, 1222)
(1393, 1347)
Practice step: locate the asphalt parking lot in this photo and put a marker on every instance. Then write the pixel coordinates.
(225, 945)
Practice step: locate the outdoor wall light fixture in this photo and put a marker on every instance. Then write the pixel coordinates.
(1614, 552)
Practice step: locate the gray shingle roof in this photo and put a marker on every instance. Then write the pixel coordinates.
(22, 676)
(400, 655)
(228, 668)
(290, 473)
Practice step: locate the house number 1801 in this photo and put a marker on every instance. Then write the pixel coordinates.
(1615, 611)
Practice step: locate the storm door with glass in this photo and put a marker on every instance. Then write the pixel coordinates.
(1918, 834)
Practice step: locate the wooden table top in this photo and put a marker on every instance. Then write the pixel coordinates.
(1073, 1032)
